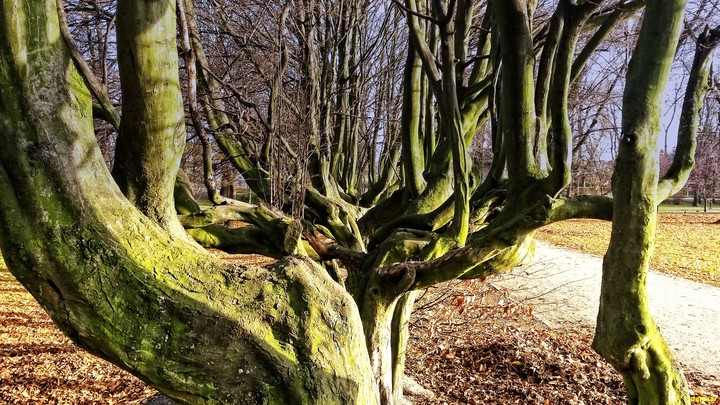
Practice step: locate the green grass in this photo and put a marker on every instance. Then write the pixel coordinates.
(685, 243)
(670, 207)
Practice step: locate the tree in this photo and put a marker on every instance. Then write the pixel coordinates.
(626, 334)
(706, 176)
(110, 261)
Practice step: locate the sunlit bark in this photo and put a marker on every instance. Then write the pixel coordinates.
(357, 166)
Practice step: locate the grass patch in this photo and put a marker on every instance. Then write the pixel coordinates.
(686, 244)
(685, 208)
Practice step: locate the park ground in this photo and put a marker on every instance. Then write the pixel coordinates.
(687, 244)
(470, 343)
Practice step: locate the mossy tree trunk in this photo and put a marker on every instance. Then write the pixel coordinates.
(626, 333)
(130, 286)
(199, 330)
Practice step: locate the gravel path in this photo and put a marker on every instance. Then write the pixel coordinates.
(563, 288)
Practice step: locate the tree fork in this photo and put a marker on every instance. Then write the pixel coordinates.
(124, 289)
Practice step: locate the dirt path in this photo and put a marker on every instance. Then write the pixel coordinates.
(563, 288)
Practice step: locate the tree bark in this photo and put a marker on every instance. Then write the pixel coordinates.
(626, 334)
(199, 330)
(152, 129)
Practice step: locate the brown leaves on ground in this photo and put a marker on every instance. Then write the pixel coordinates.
(686, 245)
(39, 365)
(470, 344)
(478, 347)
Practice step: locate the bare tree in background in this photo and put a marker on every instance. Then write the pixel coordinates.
(352, 123)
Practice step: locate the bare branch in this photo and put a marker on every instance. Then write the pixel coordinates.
(416, 14)
(96, 88)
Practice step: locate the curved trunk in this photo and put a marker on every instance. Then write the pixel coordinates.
(200, 330)
(626, 334)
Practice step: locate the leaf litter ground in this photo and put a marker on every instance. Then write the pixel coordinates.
(686, 245)
(470, 344)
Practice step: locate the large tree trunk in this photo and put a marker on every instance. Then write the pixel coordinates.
(199, 330)
(152, 129)
(626, 333)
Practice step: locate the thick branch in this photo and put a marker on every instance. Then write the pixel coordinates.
(152, 133)
(684, 159)
(509, 239)
(418, 37)
(412, 150)
(517, 108)
(109, 113)
(328, 249)
(574, 17)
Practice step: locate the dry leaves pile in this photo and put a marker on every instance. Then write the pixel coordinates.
(686, 245)
(469, 345)
(478, 347)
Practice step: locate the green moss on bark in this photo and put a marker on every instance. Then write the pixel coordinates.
(626, 334)
(200, 330)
